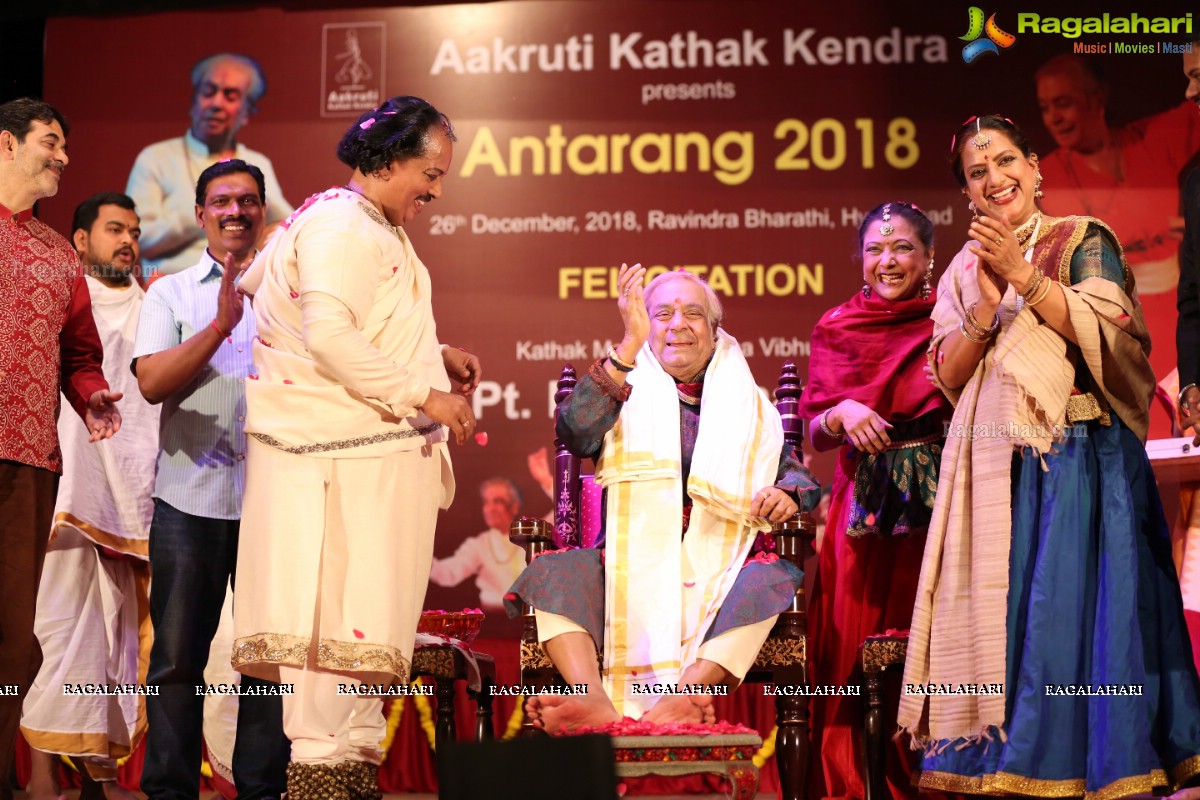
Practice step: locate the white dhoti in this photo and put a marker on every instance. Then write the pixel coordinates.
(93, 622)
(93, 619)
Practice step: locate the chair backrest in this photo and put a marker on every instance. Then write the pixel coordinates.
(577, 516)
(566, 476)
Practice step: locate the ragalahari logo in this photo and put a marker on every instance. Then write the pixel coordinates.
(976, 27)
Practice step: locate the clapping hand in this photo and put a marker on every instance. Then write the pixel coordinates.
(631, 302)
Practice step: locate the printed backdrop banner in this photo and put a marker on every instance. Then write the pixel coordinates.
(742, 141)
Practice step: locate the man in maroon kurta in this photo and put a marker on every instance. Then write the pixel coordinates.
(48, 342)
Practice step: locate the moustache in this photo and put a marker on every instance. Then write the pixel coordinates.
(238, 220)
(111, 270)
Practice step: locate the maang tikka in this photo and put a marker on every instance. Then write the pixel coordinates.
(981, 140)
(886, 229)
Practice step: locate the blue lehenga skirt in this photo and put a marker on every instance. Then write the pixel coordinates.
(1093, 606)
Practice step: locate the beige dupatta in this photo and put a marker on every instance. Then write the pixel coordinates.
(661, 596)
(1016, 398)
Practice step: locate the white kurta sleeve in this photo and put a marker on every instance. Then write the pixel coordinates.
(339, 265)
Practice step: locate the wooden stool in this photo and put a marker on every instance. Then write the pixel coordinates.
(877, 654)
(447, 664)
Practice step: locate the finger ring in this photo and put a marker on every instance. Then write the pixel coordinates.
(464, 422)
(999, 241)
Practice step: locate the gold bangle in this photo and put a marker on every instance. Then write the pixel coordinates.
(979, 329)
(624, 366)
(974, 325)
(825, 429)
(1046, 291)
(967, 334)
(1035, 284)
(1182, 402)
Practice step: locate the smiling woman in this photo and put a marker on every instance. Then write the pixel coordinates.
(1046, 440)
(868, 396)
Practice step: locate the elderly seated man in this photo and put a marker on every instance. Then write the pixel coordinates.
(683, 439)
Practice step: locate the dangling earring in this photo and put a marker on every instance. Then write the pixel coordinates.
(866, 291)
(974, 211)
(927, 286)
(1037, 186)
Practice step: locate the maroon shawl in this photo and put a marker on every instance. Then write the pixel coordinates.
(874, 351)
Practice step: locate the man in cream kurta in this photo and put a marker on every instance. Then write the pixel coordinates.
(345, 475)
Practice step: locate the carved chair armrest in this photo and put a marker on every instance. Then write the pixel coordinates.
(532, 535)
(794, 538)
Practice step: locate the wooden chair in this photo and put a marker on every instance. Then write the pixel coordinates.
(781, 661)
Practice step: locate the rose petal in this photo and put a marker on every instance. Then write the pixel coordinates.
(366, 123)
(358, 634)
(481, 438)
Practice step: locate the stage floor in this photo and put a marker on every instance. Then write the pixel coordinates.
(73, 794)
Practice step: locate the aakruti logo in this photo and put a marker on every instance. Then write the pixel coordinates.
(976, 27)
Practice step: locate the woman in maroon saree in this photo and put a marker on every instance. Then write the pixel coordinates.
(869, 395)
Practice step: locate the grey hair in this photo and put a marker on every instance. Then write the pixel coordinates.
(712, 304)
(513, 492)
(258, 81)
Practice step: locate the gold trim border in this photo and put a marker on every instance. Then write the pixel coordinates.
(1008, 783)
(125, 545)
(332, 654)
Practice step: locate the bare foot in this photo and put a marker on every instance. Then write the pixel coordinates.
(39, 790)
(553, 712)
(93, 789)
(43, 779)
(697, 708)
(1192, 793)
(114, 791)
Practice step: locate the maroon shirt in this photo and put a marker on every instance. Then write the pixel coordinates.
(48, 339)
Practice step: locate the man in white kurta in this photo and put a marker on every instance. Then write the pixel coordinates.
(92, 615)
(346, 472)
(226, 88)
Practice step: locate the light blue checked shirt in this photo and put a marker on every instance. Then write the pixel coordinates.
(202, 437)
